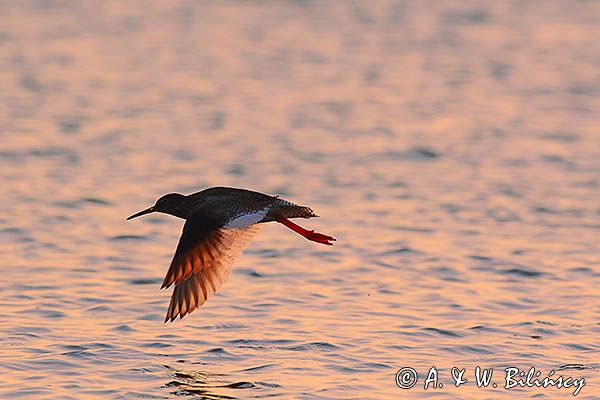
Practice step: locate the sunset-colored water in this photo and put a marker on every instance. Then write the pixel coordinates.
(452, 149)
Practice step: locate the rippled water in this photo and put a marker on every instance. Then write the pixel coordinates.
(452, 149)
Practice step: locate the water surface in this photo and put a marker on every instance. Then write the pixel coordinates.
(452, 149)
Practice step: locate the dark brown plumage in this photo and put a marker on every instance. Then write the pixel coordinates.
(220, 221)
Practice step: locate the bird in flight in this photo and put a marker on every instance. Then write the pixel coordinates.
(219, 223)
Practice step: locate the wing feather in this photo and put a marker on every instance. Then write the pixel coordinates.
(192, 254)
(208, 273)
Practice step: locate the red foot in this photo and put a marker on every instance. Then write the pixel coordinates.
(310, 235)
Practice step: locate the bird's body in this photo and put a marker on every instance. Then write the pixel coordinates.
(220, 221)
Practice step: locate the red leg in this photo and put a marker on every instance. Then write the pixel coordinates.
(310, 235)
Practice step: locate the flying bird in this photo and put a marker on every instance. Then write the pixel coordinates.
(219, 223)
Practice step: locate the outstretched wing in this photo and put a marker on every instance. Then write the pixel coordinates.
(203, 261)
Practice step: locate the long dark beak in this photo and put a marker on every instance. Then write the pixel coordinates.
(143, 212)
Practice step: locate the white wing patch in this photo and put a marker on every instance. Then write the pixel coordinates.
(245, 220)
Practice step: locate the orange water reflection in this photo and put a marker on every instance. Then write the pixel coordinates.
(452, 149)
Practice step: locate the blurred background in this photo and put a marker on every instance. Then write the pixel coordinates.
(452, 148)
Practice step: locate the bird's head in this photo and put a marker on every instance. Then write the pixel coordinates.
(172, 203)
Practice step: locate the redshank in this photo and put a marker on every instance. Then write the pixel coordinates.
(219, 223)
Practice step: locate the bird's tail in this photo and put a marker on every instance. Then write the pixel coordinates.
(287, 209)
